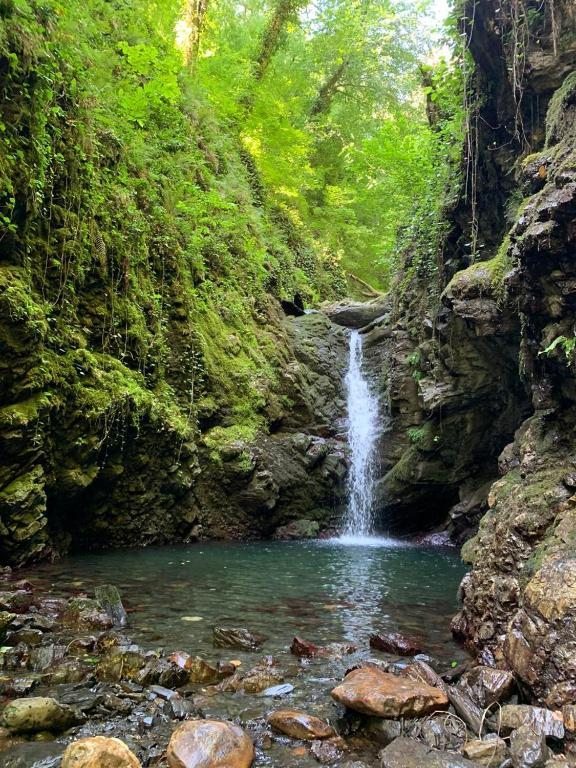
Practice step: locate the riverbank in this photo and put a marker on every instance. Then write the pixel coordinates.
(71, 671)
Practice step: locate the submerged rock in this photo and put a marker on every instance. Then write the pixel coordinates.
(237, 637)
(209, 744)
(37, 714)
(370, 691)
(99, 752)
(299, 725)
(395, 642)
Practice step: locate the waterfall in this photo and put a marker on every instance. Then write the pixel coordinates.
(363, 416)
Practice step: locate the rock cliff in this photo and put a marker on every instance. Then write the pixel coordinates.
(478, 364)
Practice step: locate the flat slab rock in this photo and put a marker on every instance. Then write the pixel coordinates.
(371, 691)
(408, 753)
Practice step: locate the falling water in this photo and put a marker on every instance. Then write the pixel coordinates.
(362, 434)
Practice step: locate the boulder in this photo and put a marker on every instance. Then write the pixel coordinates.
(237, 637)
(542, 721)
(209, 744)
(394, 642)
(371, 691)
(297, 530)
(490, 751)
(408, 753)
(357, 314)
(99, 752)
(299, 725)
(527, 748)
(37, 713)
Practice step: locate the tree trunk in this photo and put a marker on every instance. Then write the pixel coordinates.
(328, 90)
(193, 22)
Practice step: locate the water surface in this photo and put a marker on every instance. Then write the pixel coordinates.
(323, 591)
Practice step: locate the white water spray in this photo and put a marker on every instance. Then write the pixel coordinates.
(363, 416)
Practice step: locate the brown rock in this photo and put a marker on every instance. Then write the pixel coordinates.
(372, 692)
(304, 649)
(201, 671)
(490, 752)
(99, 752)
(299, 725)
(394, 642)
(209, 744)
(527, 748)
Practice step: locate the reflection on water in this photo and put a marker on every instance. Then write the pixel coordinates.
(323, 591)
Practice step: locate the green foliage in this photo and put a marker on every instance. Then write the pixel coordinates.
(138, 251)
(337, 125)
(565, 344)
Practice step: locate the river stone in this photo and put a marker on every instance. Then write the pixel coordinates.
(490, 751)
(408, 753)
(370, 691)
(542, 721)
(109, 599)
(299, 725)
(99, 752)
(200, 670)
(237, 637)
(486, 685)
(209, 744)
(394, 642)
(527, 748)
(37, 713)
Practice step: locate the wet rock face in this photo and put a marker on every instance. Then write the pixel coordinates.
(290, 483)
(144, 490)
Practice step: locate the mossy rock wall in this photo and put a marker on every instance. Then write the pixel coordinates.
(140, 272)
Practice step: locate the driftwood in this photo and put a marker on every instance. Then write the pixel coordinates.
(369, 291)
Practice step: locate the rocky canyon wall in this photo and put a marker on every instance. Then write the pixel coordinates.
(480, 383)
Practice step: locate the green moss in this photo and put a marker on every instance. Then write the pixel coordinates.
(23, 413)
(562, 98)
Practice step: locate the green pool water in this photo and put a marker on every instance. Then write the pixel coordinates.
(322, 591)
